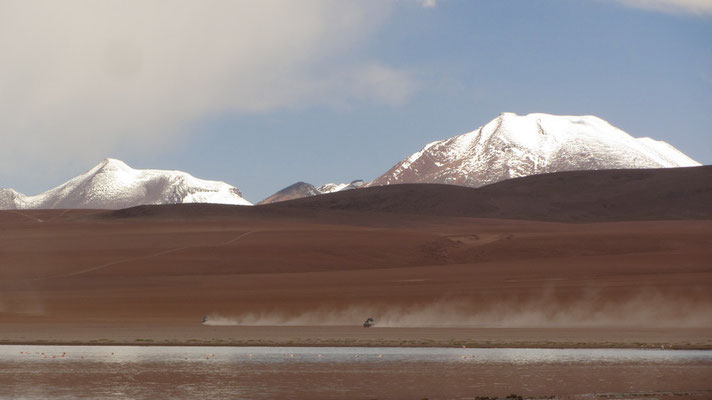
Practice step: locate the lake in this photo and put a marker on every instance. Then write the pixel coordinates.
(137, 372)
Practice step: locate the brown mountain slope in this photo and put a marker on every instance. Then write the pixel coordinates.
(577, 196)
(609, 195)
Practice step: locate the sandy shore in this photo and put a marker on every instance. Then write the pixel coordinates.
(173, 333)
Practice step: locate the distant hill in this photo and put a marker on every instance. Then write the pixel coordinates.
(291, 192)
(604, 195)
(303, 189)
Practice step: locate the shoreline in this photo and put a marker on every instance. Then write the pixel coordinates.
(189, 334)
(553, 346)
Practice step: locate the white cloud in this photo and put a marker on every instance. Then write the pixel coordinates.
(429, 3)
(81, 78)
(700, 7)
(373, 81)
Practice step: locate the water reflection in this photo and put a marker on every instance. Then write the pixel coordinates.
(177, 354)
(127, 372)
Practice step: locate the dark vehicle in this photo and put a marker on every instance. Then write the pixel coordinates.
(369, 323)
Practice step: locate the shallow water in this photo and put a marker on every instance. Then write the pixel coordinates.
(280, 355)
(33, 372)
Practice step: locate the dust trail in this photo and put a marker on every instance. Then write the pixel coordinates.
(645, 309)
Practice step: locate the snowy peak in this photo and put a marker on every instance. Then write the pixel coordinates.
(9, 198)
(113, 164)
(112, 184)
(511, 146)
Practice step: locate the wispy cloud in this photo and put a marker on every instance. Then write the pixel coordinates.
(81, 78)
(699, 7)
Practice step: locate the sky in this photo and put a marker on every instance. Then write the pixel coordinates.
(264, 94)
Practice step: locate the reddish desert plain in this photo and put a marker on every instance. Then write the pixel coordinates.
(454, 267)
(309, 272)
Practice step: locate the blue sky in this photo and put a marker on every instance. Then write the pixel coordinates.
(328, 97)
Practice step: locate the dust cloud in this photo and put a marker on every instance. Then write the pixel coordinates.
(590, 310)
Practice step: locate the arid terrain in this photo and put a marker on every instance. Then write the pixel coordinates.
(430, 273)
(608, 259)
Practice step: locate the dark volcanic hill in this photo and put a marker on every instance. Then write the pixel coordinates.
(604, 195)
(291, 192)
(303, 189)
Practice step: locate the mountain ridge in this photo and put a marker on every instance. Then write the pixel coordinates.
(112, 184)
(512, 146)
(509, 146)
(569, 196)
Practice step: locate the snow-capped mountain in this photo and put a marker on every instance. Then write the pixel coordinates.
(114, 185)
(512, 146)
(303, 189)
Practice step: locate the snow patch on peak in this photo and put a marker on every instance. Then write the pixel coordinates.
(664, 152)
(415, 156)
(338, 187)
(10, 199)
(113, 162)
